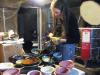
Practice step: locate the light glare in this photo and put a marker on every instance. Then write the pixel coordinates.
(41, 2)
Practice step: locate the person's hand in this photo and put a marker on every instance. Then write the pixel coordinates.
(50, 35)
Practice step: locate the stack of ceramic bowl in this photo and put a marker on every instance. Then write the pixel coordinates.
(64, 67)
(34, 72)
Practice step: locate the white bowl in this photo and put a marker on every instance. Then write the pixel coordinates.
(47, 70)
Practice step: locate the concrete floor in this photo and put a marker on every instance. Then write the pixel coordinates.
(88, 71)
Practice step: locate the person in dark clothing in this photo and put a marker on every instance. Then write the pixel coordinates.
(69, 23)
(27, 27)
